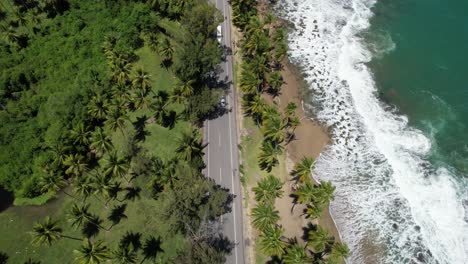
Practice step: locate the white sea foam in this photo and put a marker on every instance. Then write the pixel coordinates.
(391, 206)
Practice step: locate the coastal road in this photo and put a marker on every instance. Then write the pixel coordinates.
(221, 154)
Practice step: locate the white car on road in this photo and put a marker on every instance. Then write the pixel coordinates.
(219, 35)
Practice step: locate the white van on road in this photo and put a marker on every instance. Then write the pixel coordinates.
(219, 35)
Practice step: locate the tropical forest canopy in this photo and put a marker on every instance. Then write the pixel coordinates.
(100, 106)
(52, 64)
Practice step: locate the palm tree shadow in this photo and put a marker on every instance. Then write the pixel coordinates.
(152, 248)
(91, 229)
(131, 239)
(170, 119)
(306, 229)
(166, 63)
(274, 260)
(140, 125)
(117, 214)
(222, 244)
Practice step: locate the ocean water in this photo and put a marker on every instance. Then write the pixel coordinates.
(388, 78)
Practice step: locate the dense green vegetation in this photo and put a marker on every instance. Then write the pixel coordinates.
(263, 49)
(99, 104)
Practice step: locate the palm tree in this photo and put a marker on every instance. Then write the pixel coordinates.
(275, 81)
(190, 145)
(249, 82)
(151, 248)
(101, 142)
(53, 183)
(325, 193)
(259, 65)
(273, 128)
(92, 252)
(296, 254)
(319, 239)
(182, 91)
(103, 186)
(268, 189)
(159, 107)
(152, 41)
(271, 242)
(186, 88)
(75, 164)
(338, 253)
(312, 211)
(264, 216)
(59, 153)
(19, 18)
(80, 134)
(166, 50)
(290, 109)
(140, 100)
(302, 171)
(116, 119)
(256, 44)
(47, 232)
(254, 105)
(306, 193)
(125, 255)
(79, 215)
(255, 26)
(281, 50)
(116, 166)
(120, 68)
(268, 158)
(292, 120)
(141, 80)
(83, 187)
(98, 107)
(10, 35)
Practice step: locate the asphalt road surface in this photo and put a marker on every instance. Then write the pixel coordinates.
(221, 154)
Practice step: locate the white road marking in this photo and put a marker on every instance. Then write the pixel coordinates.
(208, 148)
(220, 175)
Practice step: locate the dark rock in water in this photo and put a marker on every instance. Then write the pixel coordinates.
(395, 226)
(417, 228)
(420, 257)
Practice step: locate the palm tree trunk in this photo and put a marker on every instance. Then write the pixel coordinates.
(70, 237)
(104, 204)
(72, 196)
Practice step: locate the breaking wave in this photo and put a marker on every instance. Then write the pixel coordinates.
(391, 205)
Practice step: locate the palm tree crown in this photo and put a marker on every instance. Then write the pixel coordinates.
(92, 252)
(264, 216)
(319, 239)
(268, 189)
(271, 242)
(302, 170)
(47, 232)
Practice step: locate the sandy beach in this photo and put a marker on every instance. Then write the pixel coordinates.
(310, 140)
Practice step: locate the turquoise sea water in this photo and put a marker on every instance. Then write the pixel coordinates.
(388, 77)
(421, 66)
